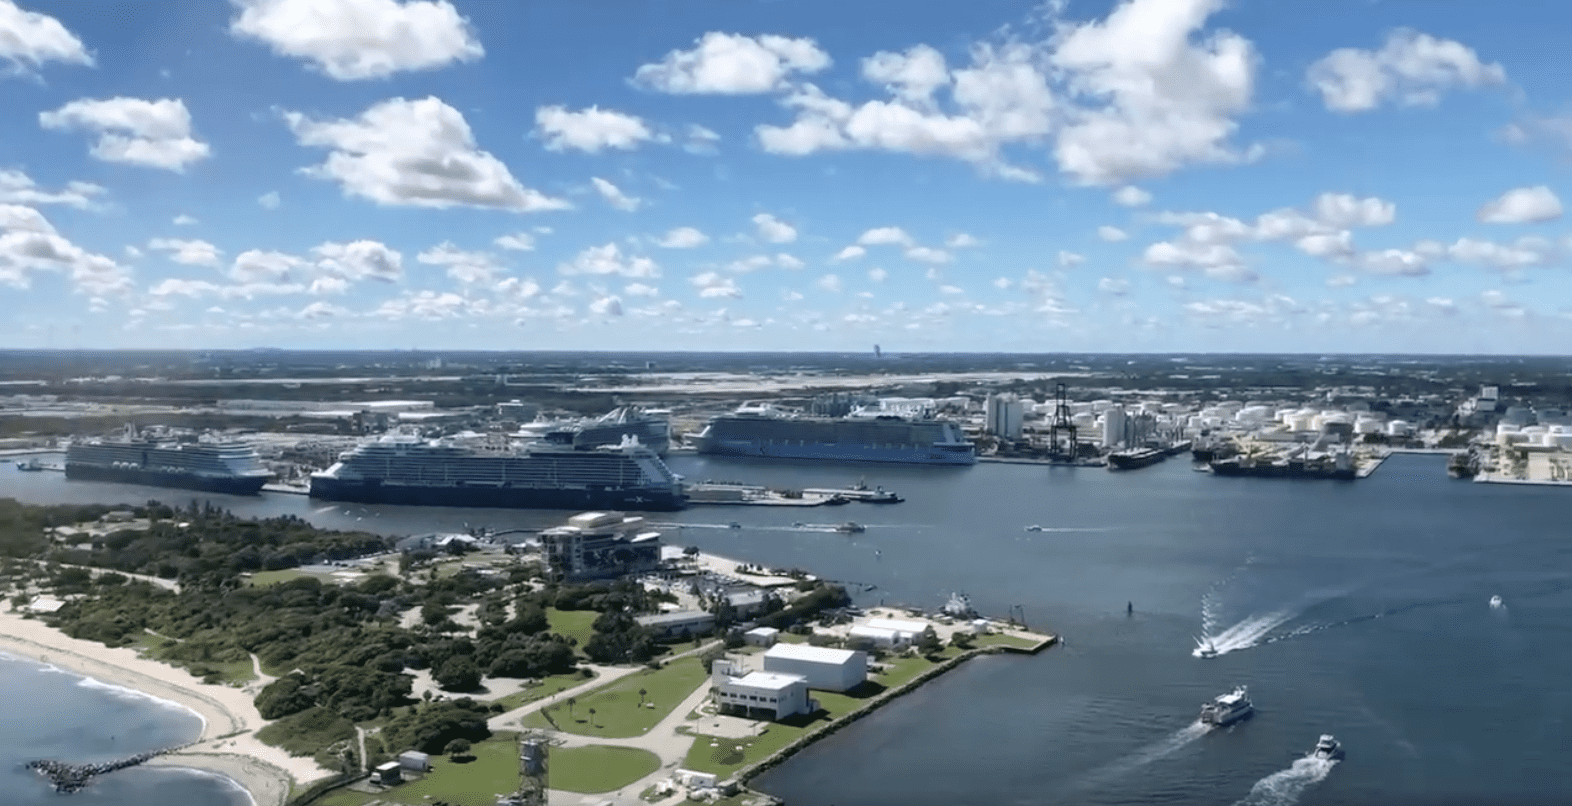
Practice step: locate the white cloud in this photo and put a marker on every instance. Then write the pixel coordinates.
(882, 236)
(1111, 234)
(700, 140)
(640, 290)
(30, 39)
(427, 305)
(257, 266)
(155, 134)
(16, 187)
(468, 268)
(1526, 252)
(927, 254)
(270, 200)
(850, 253)
(1400, 262)
(607, 260)
(877, 274)
(774, 230)
(1411, 68)
(1131, 196)
(17, 217)
(911, 76)
(29, 243)
(1341, 281)
(1343, 210)
(614, 196)
(1068, 260)
(359, 260)
(1525, 205)
(962, 240)
(951, 290)
(683, 238)
(589, 130)
(323, 310)
(359, 39)
(606, 306)
(787, 261)
(829, 282)
(722, 63)
(1109, 285)
(516, 241)
(190, 253)
(1209, 238)
(1003, 283)
(414, 153)
(714, 284)
(184, 220)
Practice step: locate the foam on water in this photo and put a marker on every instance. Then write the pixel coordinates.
(1248, 633)
(1284, 787)
(125, 693)
(1150, 753)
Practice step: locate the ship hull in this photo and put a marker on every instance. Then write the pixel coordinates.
(835, 452)
(1125, 462)
(1281, 472)
(363, 492)
(241, 485)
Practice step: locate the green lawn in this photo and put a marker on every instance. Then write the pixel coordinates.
(262, 579)
(494, 771)
(618, 714)
(1000, 639)
(548, 686)
(599, 768)
(577, 624)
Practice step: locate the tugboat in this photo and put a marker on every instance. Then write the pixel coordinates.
(851, 527)
(1327, 749)
(1226, 709)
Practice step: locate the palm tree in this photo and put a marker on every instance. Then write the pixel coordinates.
(642, 692)
(572, 701)
(592, 717)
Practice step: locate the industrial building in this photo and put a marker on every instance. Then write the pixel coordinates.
(677, 625)
(596, 545)
(824, 668)
(765, 694)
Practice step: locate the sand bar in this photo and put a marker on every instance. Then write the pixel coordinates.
(226, 746)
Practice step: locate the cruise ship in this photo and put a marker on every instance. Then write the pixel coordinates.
(402, 467)
(161, 461)
(651, 427)
(861, 437)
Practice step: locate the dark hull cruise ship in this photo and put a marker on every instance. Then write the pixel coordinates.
(762, 432)
(404, 468)
(211, 466)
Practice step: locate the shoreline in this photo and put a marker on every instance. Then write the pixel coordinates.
(226, 746)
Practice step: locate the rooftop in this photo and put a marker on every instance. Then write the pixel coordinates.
(816, 654)
(769, 681)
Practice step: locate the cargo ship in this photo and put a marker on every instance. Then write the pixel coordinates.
(765, 432)
(1135, 458)
(1339, 467)
(193, 464)
(402, 467)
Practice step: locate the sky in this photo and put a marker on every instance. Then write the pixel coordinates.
(1133, 176)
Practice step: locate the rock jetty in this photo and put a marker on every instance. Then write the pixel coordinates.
(69, 778)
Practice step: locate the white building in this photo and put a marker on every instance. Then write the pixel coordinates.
(907, 628)
(823, 667)
(1113, 428)
(1006, 415)
(882, 638)
(761, 636)
(765, 694)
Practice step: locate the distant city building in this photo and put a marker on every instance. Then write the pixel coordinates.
(596, 545)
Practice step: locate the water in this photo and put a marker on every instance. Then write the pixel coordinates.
(1357, 609)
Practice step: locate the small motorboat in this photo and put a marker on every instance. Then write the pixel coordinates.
(851, 527)
(1205, 649)
(1034, 528)
(735, 525)
(1226, 709)
(1327, 749)
(1495, 601)
(30, 466)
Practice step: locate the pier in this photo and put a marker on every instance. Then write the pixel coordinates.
(69, 778)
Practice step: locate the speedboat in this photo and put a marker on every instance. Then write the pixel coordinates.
(1327, 749)
(1205, 649)
(1034, 528)
(1226, 709)
(851, 527)
(736, 525)
(1495, 601)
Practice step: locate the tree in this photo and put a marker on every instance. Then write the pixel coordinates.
(458, 749)
(642, 694)
(572, 701)
(592, 717)
(458, 673)
(928, 642)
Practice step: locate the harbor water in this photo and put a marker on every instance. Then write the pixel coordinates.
(1360, 609)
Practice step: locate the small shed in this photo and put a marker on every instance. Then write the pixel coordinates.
(389, 773)
(761, 636)
(414, 760)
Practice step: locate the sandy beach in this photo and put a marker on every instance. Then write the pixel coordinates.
(227, 745)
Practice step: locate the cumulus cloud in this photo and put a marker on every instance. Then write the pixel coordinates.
(700, 140)
(829, 282)
(1524, 253)
(589, 130)
(640, 290)
(1525, 205)
(29, 39)
(16, 187)
(732, 64)
(927, 254)
(270, 200)
(155, 134)
(467, 267)
(359, 260)
(1069, 260)
(877, 274)
(614, 196)
(774, 230)
(1111, 234)
(606, 306)
(29, 244)
(414, 153)
(850, 253)
(1411, 68)
(881, 236)
(962, 240)
(350, 40)
(683, 238)
(516, 241)
(258, 266)
(190, 253)
(1117, 288)
(1131, 196)
(609, 260)
(714, 284)
(184, 220)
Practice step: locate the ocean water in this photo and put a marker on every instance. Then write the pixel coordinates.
(1358, 609)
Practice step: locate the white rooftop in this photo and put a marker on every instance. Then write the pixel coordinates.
(902, 625)
(769, 681)
(815, 654)
(763, 631)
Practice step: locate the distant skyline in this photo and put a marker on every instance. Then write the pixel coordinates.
(1176, 176)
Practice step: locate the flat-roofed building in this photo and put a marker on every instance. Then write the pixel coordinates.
(882, 638)
(824, 668)
(767, 694)
(677, 625)
(600, 544)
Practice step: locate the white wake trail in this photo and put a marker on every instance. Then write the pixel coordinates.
(1150, 753)
(1245, 634)
(1283, 788)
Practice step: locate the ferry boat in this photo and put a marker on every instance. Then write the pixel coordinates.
(1327, 748)
(1226, 709)
(162, 459)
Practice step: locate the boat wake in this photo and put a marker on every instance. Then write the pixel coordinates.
(1248, 633)
(1209, 600)
(1309, 629)
(1150, 753)
(1284, 787)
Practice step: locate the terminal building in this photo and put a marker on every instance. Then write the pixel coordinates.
(597, 545)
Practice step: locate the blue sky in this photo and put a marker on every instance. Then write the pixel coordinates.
(1147, 175)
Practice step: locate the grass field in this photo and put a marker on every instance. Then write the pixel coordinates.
(494, 771)
(548, 686)
(599, 768)
(617, 710)
(1000, 639)
(576, 624)
(262, 579)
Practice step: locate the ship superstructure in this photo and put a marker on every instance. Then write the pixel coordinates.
(160, 460)
(763, 431)
(651, 427)
(402, 467)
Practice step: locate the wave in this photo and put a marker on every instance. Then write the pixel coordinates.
(1209, 600)
(228, 782)
(1248, 633)
(1150, 753)
(135, 695)
(1284, 787)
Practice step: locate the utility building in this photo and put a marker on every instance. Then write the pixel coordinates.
(765, 694)
(824, 668)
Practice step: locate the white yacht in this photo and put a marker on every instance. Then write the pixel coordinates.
(1226, 709)
(1495, 601)
(1327, 749)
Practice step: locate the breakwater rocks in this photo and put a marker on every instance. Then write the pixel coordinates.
(69, 778)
